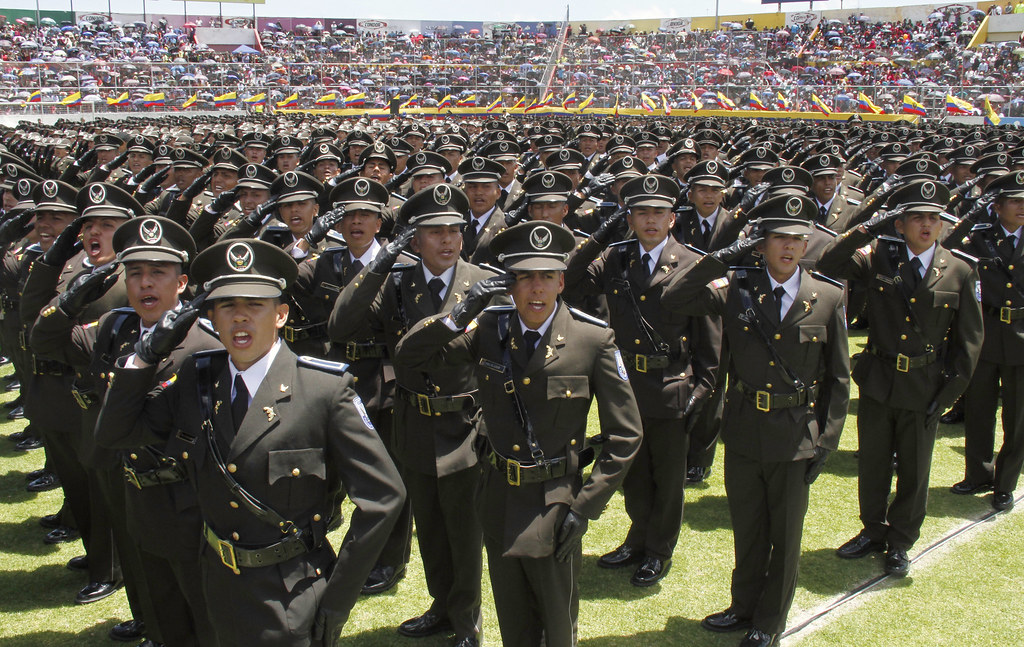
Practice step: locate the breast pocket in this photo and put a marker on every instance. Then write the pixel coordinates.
(570, 395)
(947, 300)
(813, 334)
(302, 472)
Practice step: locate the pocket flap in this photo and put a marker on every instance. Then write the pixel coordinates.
(944, 299)
(568, 386)
(296, 463)
(811, 334)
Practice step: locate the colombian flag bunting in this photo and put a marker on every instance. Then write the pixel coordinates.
(355, 100)
(956, 106)
(725, 102)
(586, 102)
(445, 103)
(697, 103)
(154, 100)
(495, 105)
(256, 100)
(647, 103)
(412, 102)
(468, 102)
(289, 102)
(119, 101)
(781, 102)
(191, 101)
(755, 102)
(820, 105)
(570, 101)
(664, 106)
(520, 102)
(329, 100)
(35, 97)
(991, 116)
(615, 110)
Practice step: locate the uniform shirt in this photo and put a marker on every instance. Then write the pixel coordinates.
(710, 220)
(253, 376)
(481, 221)
(1016, 233)
(826, 206)
(445, 276)
(655, 255)
(790, 286)
(368, 255)
(926, 259)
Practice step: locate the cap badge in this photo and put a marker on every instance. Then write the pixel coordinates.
(547, 180)
(627, 162)
(788, 175)
(421, 158)
(97, 194)
(563, 155)
(324, 150)
(24, 187)
(478, 163)
(540, 238)
(290, 179)
(760, 152)
(503, 147)
(927, 190)
(150, 231)
(50, 188)
(442, 194)
(650, 184)
(793, 206)
(361, 187)
(240, 257)
(250, 171)
(922, 166)
(712, 167)
(179, 153)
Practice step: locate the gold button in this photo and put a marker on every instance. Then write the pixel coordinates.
(1009, 285)
(778, 336)
(814, 339)
(811, 405)
(1009, 267)
(745, 329)
(134, 457)
(487, 378)
(295, 471)
(572, 442)
(903, 337)
(357, 284)
(184, 455)
(317, 517)
(615, 291)
(438, 414)
(233, 504)
(318, 572)
(771, 363)
(913, 299)
(682, 339)
(908, 319)
(768, 386)
(636, 341)
(945, 305)
(437, 389)
(643, 297)
(232, 468)
(103, 376)
(881, 289)
(568, 393)
(234, 536)
(515, 448)
(526, 381)
(354, 379)
(1008, 302)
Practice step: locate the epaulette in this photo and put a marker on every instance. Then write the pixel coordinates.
(891, 239)
(404, 267)
(964, 256)
(826, 279)
(694, 249)
(337, 368)
(206, 326)
(825, 229)
(746, 268)
(34, 247)
(400, 197)
(500, 309)
(334, 250)
(124, 310)
(853, 202)
(582, 316)
(605, 203)
(620, 243)
(853, 173)
(580, 233)
(336, 237)
(981, 226)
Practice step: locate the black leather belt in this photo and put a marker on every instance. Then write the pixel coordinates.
(298, 333)
(767, 401)
(904, 362)
(49, 367)
(234, 556)
(643, 363)
(436, 405)
(173, 473)
(365, 350)
(519, 473)
(1006, 315)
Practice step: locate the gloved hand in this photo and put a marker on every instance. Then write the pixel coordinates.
(142, 175)
(597, 185)
(86, 159)
(116, 162)
(385, 259)
(327, 628)
(150, 188)
(223, 202)
(63, 247)
(86, 289)
(516, 215)
(693, 406)
(878, 221)
(398, 180)
(169, 332)
(15, 227)
(569, 535)
(752, 195)
(323, 225)
(605, 231)
(261, 213)
(816, 464)
(197, 185)
(729, 254)
(890, 184)
(479, 296)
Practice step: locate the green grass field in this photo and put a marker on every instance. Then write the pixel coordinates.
(968, 592)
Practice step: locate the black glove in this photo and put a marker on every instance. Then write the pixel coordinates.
(15, 227)
(605, 231)
(116, 162)
(729, 254)
(385, 259)
(816, 464)
(169, 332)
(197, 186)
(569, 535)
(223, 202)
(479, 296)
(516, 215)
(878, 221)
(752, 195)
(86, 159)
(323, 225)
(150, 188)
(890, 184)
(63, 247)
(142, 175)
(597, 185)
(397, 181)
(693, 406)
(86, 289)
(261, 213)
(327, 629)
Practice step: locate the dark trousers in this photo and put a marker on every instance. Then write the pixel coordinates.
(451, 544)
(140, 600)
(398, 546)
(181, 616)
(767, 505)
(537, 599)
(990, 382)
(708, 426)
(881, 432)
(653, 488)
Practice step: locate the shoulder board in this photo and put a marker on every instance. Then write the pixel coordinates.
(403, 267)
(605, 203)
(826, 279)
(206, 326)
(34, 247)
(745, 268)
(891, 239)
(853, 202)
(620, 243)
(322, 364)
(500, 309)
(124, 310)
(579, 233)
(276, 228)
(971, 260)
(335, 237)
(825, 229)
(582, 316)
(854, 173)
(695, 250)
(400, 197)
(213, 352)
(337, 249)
(981, 225)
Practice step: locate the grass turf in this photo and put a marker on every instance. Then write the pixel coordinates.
(973, 585)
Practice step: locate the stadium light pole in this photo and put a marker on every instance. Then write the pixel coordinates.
(716, 15)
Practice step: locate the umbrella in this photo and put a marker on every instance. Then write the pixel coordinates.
(725, 71)
(992, 97)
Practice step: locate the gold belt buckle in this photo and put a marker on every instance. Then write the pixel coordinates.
(512, 471)
(289, 334)
(510, 387)
(131, 476)
(227, 555)
(640, 362)
(903, 363)
(1004, 315)
(423, 402)
(350, 351)
(763, 400)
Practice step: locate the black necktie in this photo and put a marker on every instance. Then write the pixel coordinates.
(355, 267)
(239, 403)
(645, 262)
(823, 213)
(531, 337)
(1009, 245)
(705, 231)
(436, 285)
(779, 292)
(471, 228)
(913, 274)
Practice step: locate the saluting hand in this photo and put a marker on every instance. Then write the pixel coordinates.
(479, 296)
(385, 259)
(742, 245)
(63, 247)
(169, 332)
(86, 289)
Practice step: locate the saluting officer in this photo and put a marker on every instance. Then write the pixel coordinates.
(540, 365)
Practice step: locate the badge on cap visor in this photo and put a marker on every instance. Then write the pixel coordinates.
(793, 206)
(650, 184)
(540, 238)
(49, 188)
(97, 194)
(150, 231)
(927, 190)
(442, 194)
(240, 257)
(290, 179)
(547, 180)
(788, 174)
(361, 187)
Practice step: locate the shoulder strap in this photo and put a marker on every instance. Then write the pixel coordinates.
(504, 332)
(750, 317)
(657, 342)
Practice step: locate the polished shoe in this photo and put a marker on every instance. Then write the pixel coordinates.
(80, 563)
(624, 555)
(18, 436)
(953, 417)
(696, 474)
(1002, 500)
(44, 483)
(725, 621)
(13, 385)
(382, 578)
(966, 487)
(427, 624)
(50, 521)
(28, 444)
(859, 546)
(757, 638)
(650, 571)
(34, 474)
(96, 591)
(61, 535)
(468, 641)
(128, 631)
(17, 413)
(896, 562)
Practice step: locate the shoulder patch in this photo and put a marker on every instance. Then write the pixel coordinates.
(91, 324)
(830, 232)
(358, 403)
(964, 256)
(864, 251)
(981, 226)
(620, 366)
(166, 383)
(826, 279)
(323, 365)
(582, 316)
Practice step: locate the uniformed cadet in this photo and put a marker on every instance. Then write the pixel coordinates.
(480, 182)
(924, 338)
(998, 374)
(186, 168)
(268, 439)
(295, 200)
(788, 370)
(834, 201)
(672, 362)
(254, 147)
(708, 226)
(436, 415)
(283, 153)
(540, 365)
(425, 168)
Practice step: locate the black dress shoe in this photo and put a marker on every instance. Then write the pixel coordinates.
(382, 578)
(44, 483)
(28, 444)
(725, 621)
(896, 562)
(61, 535)
(966, 487)
(50, 521)
(128, 631)
(17, 413)
(427, 624)
(96, 591)
(17, 436)
(34, 474)
(859, 546)
(624, 555)
(953, 417)
(81, 563)
(1002, 500)
(696, 474)
(757, 638)
(468, 641)
(650, 571)
(13, 385)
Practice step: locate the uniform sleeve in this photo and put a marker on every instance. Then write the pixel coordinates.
(357, 313)
(431, 345)
(706, 356)
(834, 398)
(846, 257)
(57, 336)
(585, 272)
(138, 411)
(40, 287)
(620, 422)
(692, 292)
(968, 331)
